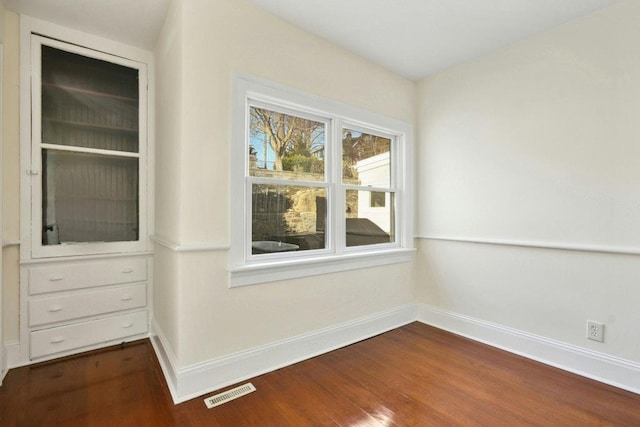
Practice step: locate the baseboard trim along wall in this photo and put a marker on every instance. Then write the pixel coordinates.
(166, 359)
(197, 380)
(601, 367)
(12, 356)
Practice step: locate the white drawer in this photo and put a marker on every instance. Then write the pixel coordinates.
(64, 338)
(87, 274)
(61, 308)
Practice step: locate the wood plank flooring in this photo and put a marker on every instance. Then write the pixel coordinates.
(413, 376)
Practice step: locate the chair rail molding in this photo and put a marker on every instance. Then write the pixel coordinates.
(189, 246)
(575, 247)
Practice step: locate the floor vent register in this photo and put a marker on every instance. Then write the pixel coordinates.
(229, 395)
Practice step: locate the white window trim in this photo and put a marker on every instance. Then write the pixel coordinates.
(247, 270)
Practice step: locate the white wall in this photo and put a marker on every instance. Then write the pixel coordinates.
(168, 203)
(2, 12)
(201, 317)
(2, 350)
(537, 144)
(10, 175)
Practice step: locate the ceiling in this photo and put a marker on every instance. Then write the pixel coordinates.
(414, 38)
(133, 22)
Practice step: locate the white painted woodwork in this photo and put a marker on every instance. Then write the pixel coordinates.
(77, 297)
(248, 269)
(78, 335)
(88, 274)
(79, 305)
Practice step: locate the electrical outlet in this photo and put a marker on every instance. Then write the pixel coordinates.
(595, 330)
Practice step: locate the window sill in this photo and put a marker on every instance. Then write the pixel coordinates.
(255, 273)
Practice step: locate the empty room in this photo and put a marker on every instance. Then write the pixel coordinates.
(320, 212)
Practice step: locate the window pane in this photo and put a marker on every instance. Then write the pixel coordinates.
(87, 102)
(378, 199)
(365, 159)
(287, 218)
(367, 224)
(285, 146)
(88, 198)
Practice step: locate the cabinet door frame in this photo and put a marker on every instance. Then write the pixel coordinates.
(34, 35)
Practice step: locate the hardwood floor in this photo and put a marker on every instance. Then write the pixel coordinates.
(413, 376)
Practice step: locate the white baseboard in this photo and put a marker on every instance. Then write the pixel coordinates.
(12, 354)
(11, 358)
(193, 381)
(166, 358)
(598, 366)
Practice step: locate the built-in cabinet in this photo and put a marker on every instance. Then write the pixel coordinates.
(77, 304)
(85, 256)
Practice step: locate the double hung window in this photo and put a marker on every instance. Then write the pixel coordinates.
(318, 186)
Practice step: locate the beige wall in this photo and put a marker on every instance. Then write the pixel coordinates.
(2, 361)
(169, 64)
(168, 203)
(537, 143)
(11, 176)
(223, 36)
(2, 11)
(218, 38)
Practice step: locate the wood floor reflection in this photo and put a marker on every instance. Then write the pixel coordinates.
(413, 376)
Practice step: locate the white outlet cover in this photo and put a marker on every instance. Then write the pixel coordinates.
(595, 330)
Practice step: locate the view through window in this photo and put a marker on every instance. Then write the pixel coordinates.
(289, 188)
(366, 173)
(318, 186)
(287, 164)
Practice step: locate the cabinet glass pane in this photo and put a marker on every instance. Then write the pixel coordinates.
(88, 102)
(88, 198)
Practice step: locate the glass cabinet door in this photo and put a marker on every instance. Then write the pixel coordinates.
(87, 133)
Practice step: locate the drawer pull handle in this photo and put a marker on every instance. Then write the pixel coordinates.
(127, 325)
(55, 278)
(55, 308)
(56, 340)
(127, 270)
(125, 297)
